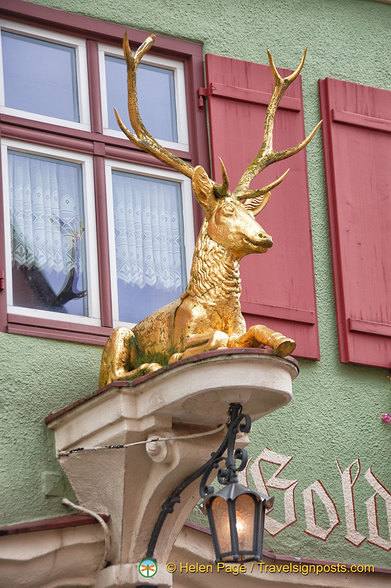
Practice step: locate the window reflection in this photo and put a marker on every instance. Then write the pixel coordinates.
(40, 76)
(156, 91)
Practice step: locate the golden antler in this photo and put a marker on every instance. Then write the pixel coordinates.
(143, 138)
(267, 155)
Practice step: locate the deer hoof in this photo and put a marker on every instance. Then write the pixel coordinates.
(153, 367)
(286, 347)
(175, 357)
(141, 370)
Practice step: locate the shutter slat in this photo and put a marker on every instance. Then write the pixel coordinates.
(255, 96)
(359, 120)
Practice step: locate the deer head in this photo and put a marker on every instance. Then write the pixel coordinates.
(229, 222)
(230, 216)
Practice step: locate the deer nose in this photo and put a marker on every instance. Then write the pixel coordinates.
(268, 241)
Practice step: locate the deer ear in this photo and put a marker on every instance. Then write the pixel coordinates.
(203, 187)
(258, 203)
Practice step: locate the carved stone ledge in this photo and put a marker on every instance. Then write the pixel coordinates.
(259, 380)
(59, 556)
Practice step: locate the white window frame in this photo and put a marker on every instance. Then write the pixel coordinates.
(180, 95)
(81, 73)
(90, 233)
(187, 210)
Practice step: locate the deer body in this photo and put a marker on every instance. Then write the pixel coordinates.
(208, 315)
(210, 304)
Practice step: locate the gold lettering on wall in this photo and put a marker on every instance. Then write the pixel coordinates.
(349, 477)
(352, 535)
(272, 526)
(312, 527)
(373, 523)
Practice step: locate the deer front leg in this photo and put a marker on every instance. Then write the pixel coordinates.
(199, 343)
(261, 335)
(120, 356)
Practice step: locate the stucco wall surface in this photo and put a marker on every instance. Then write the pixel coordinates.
(336, 411)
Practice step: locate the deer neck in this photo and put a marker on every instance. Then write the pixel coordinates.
(214, 272)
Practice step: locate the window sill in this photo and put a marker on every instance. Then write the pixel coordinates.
(21, 325)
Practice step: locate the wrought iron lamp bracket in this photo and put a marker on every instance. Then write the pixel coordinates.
(237, 421)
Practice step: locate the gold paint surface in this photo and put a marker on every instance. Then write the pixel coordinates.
(208, 314)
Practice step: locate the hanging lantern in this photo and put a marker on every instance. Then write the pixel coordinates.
(237, 519)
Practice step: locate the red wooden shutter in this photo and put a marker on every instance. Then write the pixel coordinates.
(357, 149)
(278, 287)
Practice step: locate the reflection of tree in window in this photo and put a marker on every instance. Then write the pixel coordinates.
(47, 223)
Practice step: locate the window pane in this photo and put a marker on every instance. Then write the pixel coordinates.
(156, 94)
(40, 76)
(47, 228)
(149, 244)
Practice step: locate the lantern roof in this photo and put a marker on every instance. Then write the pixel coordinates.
(234, 490)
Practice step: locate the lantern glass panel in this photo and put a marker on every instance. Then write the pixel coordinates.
(245, 514)
(219, 508)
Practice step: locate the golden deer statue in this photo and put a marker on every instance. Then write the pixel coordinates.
(208, 315)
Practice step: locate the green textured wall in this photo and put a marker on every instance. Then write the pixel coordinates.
(336, 408)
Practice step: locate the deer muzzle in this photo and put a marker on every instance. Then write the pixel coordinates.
(262, 243)
(267, 241)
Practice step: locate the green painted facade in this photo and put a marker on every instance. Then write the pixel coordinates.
(336, 410)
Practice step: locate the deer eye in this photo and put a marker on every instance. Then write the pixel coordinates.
(228, 210)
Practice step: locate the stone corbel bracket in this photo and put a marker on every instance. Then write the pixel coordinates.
(186, 398)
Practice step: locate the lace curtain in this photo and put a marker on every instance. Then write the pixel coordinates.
(46, 211)
(148, 231)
